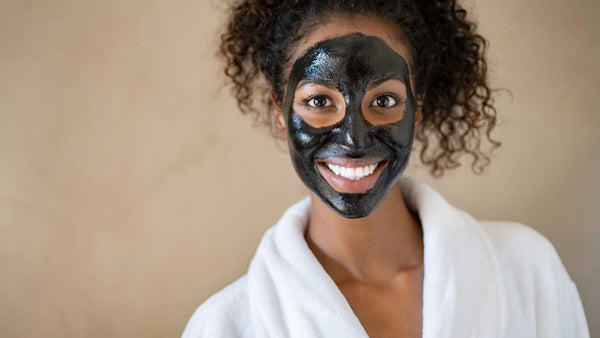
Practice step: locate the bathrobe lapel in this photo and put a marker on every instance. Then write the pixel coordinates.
(291, 295)
(462, 291)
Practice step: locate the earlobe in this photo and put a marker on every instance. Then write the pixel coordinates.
(278, 116)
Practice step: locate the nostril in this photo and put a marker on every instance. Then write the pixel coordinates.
(358, 140)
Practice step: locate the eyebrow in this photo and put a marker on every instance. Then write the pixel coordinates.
(377, 82)
(327, 84)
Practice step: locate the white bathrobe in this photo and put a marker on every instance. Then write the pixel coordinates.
(481, 279)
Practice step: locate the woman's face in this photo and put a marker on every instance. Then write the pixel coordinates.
(349, 112)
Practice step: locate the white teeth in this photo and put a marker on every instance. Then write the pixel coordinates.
(354, 174)
(350, 173)
(358, 172)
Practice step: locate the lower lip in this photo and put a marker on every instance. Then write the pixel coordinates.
(346, 186)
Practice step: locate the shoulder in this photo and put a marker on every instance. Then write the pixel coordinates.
(522, 248)
(517, 239)
(224, 314)
(536, 283)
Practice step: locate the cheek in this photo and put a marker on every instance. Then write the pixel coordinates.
(399, 135)
(382, 116)
(320, 117)
(304, 137)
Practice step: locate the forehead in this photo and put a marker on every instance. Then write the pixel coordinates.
(350, 60)
(339, 25)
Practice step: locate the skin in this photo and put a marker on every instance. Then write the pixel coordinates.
(377, 260)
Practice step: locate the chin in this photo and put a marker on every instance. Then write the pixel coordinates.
(358, 205)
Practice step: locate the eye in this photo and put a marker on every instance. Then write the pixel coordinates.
(384, 101)
(318, 101)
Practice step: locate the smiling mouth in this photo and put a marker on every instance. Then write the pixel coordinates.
(354, 176)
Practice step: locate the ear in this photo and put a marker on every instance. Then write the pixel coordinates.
(278, 116)
(418, 113)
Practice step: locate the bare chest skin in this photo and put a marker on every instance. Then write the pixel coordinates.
(376, 262)
(393, 310)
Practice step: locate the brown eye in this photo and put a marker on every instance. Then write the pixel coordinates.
(384, 101)
(319, 102)
(318, 105)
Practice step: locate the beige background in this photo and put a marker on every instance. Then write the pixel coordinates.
(131, 188)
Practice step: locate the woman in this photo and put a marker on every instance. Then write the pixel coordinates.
(351, 84)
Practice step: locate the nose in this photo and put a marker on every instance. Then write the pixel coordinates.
(355, 133)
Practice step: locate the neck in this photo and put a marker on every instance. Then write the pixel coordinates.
(372, 249)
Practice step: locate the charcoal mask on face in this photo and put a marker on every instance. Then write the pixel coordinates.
(350, 64)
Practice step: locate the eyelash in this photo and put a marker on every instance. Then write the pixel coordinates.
(307, 100)
(396, 98)
(329, 103)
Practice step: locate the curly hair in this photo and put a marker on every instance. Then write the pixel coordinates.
(448, 55)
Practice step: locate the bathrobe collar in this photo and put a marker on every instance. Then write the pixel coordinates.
(291, 295)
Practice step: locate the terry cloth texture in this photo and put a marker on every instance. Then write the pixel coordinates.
(481, 279)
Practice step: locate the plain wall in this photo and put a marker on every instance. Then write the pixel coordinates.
(131, 188)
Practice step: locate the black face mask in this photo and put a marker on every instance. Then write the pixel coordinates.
(350, 63)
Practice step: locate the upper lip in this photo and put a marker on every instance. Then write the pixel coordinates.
(351, 162)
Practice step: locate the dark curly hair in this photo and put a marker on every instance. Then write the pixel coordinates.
(448, 55)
